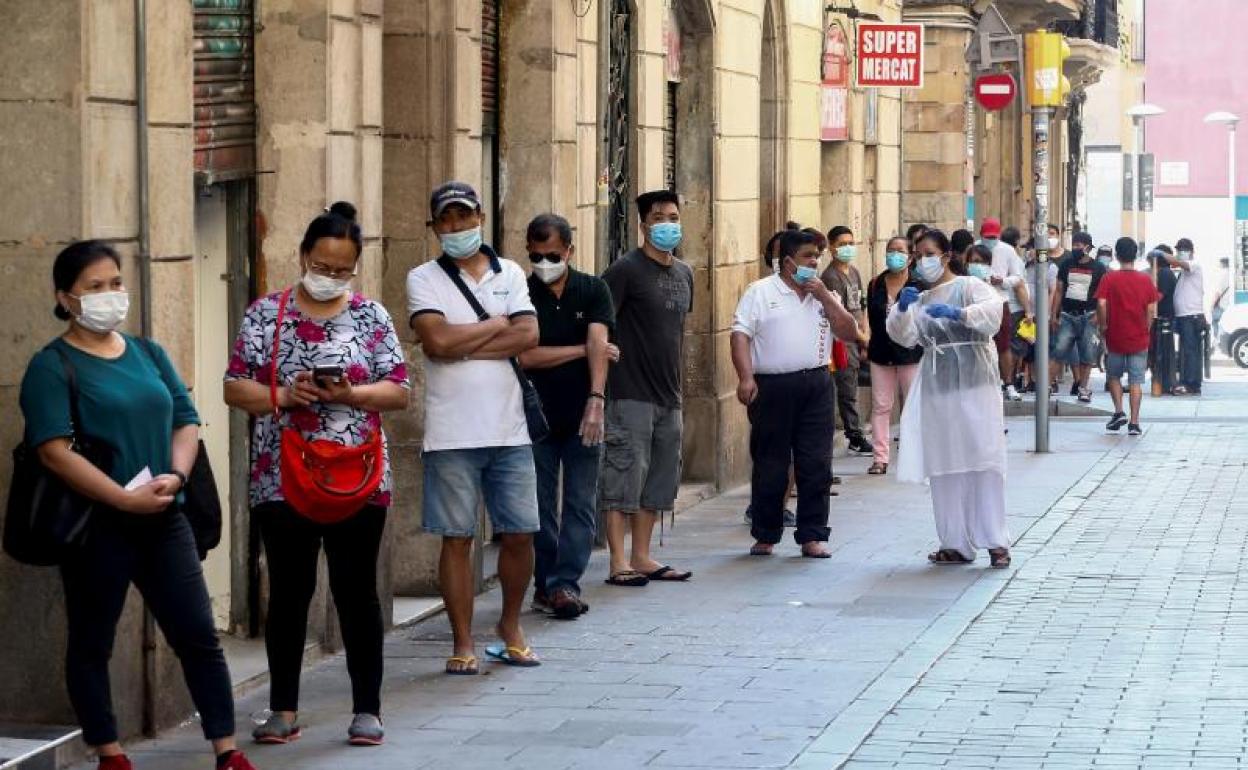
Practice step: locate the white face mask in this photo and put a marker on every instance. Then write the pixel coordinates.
(1054, 243)
(322, 288)
(103, 312)
(549, 272)
(930, 268)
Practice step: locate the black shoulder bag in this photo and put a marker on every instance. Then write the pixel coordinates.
(46, 521)
(200, 502)
(539, 429)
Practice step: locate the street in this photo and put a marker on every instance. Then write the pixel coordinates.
(1115, 639)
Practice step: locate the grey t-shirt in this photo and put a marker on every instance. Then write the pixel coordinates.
(651, 302)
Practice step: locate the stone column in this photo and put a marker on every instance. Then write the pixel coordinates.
(934, 119)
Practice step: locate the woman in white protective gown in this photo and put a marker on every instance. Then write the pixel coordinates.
(952, 429)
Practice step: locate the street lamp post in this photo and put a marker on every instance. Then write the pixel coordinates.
(1229, 119)
(1137, 114)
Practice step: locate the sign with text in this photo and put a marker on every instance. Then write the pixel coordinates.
(890, 55)
(834, 90)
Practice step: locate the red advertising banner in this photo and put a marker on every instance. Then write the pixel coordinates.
(890, 55)
(834, 91)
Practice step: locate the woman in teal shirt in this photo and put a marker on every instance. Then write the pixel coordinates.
(132, 401)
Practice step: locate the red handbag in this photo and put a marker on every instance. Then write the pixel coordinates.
(840, 355)
(323, 480)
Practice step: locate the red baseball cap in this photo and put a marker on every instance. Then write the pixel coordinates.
(991, 228)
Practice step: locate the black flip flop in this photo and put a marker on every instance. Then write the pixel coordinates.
(667, 573)
(629, 578)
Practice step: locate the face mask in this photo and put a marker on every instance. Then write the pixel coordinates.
(1185, 256)
(1054, 243)
(846, 253)
(896, 261)
(991, 243)
(979, 270)
(1106, 261)
(103, 312)
(665, 235)
(803, 274)
(322, 288)
(463, 244)
(549, 272)
(931, 268)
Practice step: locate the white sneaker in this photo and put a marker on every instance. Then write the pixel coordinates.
(1012, 394)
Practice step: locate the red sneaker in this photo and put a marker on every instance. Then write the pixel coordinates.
(116, 762)
(238, 761)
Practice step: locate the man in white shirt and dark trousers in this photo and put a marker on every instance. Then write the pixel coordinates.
(1007, 278)
(781, 341)
(1189, 318)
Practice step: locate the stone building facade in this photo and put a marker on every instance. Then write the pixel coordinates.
(203, 140)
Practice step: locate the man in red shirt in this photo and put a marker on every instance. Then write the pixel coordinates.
(1126, 303)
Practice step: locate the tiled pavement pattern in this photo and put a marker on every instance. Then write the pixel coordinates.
(1123, 642)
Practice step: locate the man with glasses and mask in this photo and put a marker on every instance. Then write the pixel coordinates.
(782, 336)
(653, 293)
(569, 370)
(476, 442)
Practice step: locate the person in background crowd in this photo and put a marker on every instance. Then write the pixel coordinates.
(1126, 303)
(781, 337)
(1006, 276)
(913, 233)
(132, 401)
(952, 428)
(1189, 318)
(1011, 236)
(1074, 316)
(960, 241)
(893, 366)
(653, 293)
(1161, 347)
(569, 370)
(1029, 356)
(843, 278)
(477, 443)
(1055, 240)
(1105, 255)
(326, 323)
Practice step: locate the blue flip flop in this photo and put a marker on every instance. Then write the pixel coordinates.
(513, 656)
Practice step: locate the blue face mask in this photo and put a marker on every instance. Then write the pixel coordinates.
(991, 243)
(979, 270)
(803, 274)
(665, 235)
(931, 268)
(896, 261)
(463, 244)
(846, 253)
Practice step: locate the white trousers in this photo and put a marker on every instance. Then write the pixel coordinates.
(970, 511)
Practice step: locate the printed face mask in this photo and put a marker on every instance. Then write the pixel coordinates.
(463, 244)
(104, 311)
(322, 288)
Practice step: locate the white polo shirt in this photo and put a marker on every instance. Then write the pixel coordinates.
(1007, 265)
(787, 333)
(1189, 292)
(471, 404)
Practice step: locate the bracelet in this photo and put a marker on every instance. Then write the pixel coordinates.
(181, 477)
(597, 395)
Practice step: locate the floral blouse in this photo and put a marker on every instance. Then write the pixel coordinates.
(361, 339)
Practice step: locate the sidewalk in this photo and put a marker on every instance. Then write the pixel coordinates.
(744, 666)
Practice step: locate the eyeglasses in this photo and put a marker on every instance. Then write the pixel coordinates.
(553, 256)
(331, 272)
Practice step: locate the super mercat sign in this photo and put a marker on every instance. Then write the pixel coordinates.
(889, 56)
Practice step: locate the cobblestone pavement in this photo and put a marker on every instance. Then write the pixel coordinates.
(1122, 641)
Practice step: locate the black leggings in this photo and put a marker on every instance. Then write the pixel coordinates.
(158, 555)
(292, 545)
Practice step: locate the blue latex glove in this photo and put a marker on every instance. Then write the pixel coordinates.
(907, 297)
(941, 310)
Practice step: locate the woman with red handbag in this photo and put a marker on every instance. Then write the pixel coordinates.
(316, 365)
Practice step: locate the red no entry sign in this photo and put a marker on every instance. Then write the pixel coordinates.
(995, 91)
(890, 55)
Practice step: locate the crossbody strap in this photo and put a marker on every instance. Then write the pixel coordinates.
(452, 270)
(277, 348)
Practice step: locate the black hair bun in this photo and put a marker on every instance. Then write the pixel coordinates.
(344, 210)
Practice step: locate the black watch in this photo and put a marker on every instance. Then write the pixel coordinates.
(181, 478)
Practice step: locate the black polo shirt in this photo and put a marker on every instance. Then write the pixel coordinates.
(564, 321)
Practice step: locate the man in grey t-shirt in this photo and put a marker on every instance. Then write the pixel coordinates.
(653, 292)
(843, 278)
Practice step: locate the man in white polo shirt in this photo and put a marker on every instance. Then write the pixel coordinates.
(1189, 318)
(476, 441)
(781, 343)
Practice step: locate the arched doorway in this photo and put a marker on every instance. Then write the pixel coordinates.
(772, 125)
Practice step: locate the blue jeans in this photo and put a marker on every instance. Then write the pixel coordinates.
(563, 545)
(1191, 351)
(457, 479)
(1076, 339)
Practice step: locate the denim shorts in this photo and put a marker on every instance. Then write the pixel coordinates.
(1133, 364)
(1077, 340)
(641, 463)
(456, 480)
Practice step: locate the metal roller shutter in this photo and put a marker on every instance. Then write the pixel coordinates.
(489, 66)
(225, 106)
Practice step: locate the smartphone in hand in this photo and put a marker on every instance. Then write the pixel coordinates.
(323, 375)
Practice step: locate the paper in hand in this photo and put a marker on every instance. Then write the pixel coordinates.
(144, 477)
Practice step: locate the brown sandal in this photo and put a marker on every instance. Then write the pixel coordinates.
(947, 556)
(877, 469)
(999, 557)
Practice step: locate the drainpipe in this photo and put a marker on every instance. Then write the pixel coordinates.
(145, 311)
